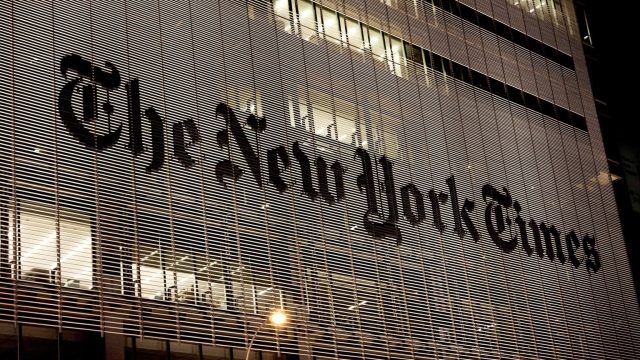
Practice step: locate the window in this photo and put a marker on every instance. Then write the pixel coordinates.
(183, 276)
(331, 26)
(268, 298)
(392, 3)
(353, 34)
(34, 251)
(306, 16)
(282, 14)
(243, 291)
(384, 135)
(374, 42)
(246, 100)
(395, 55)
(341, 124)
(210, 285)
(337, 125)
(152, 276)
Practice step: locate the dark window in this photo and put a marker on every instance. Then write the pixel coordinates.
(413, 52)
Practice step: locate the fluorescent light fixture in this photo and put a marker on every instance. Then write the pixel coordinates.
(206, 266)
(72, 253)
(262, 292)
(147, 257)
(39, 245)
(363, 302)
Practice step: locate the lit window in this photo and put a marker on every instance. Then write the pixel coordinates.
(35, 247)
(331, 25)
(375, 43)
(395, 55)
(268, 298)
(384, 135)
(306, 16)
(243, 290)
(246, 100)
(210, 282)
(329, 124)
(184, 277)
(282, 14)
(392, 3)
(323, 122)
(354, 34)
(152, 278)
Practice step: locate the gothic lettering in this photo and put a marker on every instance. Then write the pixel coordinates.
(436, 200)
(366, 181)
(573, 244)
(418, 199)
(135, 122)
(522, 230)
(323, 183)
(461, 214)
(381, 219)
(250, 156)
(273, 155)
(495, 217)
(180, 145)
(551, 239)
(305, 169)
(157, 140)
(591, 253)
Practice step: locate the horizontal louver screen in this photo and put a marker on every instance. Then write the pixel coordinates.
(403, 180)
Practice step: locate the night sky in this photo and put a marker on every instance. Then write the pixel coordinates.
(616, 40)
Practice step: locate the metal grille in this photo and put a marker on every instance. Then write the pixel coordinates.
(176, 170)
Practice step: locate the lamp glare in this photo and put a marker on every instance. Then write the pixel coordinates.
(278, 318)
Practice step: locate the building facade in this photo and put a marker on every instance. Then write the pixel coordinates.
(406, 179)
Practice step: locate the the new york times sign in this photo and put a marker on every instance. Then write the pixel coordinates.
(83, 79)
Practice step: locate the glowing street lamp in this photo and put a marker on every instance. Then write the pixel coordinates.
(277, 318)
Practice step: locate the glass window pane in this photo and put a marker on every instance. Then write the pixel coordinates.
(384, 135)
(210, 283)
(354, 34)
(243, 289)
(281, 12)
(185, 278)
(37, 245)
(331, 27)
(376, 44)
(152, 277)
(75, 251)
(267, 299)
(399, 57)
(346, 130)
(320, 24)
(323, 122)
(307, 19)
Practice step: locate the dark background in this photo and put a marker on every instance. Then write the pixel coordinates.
(611, 39)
